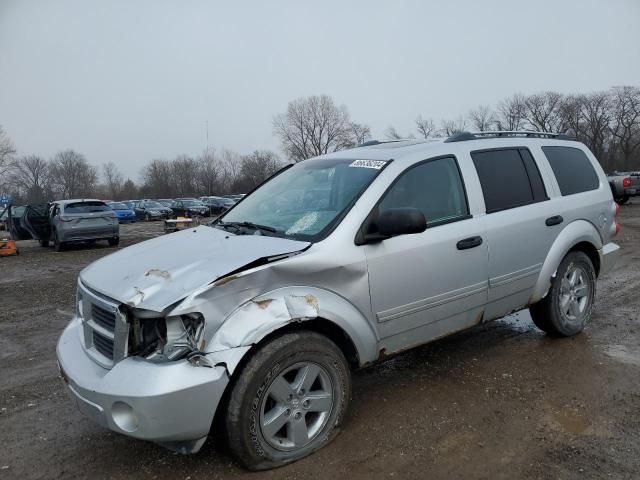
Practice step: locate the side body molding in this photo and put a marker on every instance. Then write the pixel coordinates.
(266, 313)
(576, 232)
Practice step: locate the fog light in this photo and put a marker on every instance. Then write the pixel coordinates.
(124, 417)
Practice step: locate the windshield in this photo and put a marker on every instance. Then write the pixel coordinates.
(192, 203)
(152, 205)
(85, 207)
(118, 206)
(307, 200)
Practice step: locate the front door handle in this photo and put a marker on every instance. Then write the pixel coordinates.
(469, 243)
(555, 220)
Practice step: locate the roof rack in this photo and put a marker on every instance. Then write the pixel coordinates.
(464, 136)
(380, 142)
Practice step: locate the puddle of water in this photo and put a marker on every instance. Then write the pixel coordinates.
(571, 421)
(519, 321)
(623, 354)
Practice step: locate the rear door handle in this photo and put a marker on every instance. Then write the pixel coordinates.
(469, 243)
(555, 220)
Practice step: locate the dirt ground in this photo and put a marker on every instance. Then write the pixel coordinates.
(499, 401)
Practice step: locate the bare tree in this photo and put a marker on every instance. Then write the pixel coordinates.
(230, 163)
(7, 150)
(482, 118)
(129, 190)
(208, 172)
(426, 127)
(450, 127)
(157, 176)
(31, 176)
(313, 126)
(392, 134)
(626, 121)
(359, 133)
(510, 113)
(184, 174)
(255, 168)
(543, 112)
(72, 176)
(113, 180)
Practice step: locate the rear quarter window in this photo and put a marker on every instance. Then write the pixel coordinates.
(573, 169)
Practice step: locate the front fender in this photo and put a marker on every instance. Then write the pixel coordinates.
(266, 313)
(574, 233)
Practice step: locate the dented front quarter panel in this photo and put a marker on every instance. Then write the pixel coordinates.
(242, 309)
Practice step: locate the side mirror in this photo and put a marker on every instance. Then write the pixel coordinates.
(397, 221)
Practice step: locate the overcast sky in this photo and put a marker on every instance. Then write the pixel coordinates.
(128, 81)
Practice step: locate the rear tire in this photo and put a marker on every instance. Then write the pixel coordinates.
(58, 246)
(293, 388)
(568, 305)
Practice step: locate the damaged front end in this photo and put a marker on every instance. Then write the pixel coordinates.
(166, 338)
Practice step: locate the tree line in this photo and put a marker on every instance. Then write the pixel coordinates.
(608, 122)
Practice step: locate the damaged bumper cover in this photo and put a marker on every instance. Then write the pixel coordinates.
(170, 403)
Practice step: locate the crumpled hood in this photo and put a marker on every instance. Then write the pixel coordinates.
(156, 273)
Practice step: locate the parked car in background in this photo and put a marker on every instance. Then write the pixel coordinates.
(624, 185)
(123, 212)
(189, 207)
(14, 222)
(130, 203)
(152, 210)
(165, 201)
(70, 221)
(218, 205)
(258, 318)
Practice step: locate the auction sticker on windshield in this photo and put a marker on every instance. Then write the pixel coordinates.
(377, 164)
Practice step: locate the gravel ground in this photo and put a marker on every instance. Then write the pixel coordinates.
(499, 401)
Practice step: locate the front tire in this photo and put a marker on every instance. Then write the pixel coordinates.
(288, 401)
(113, 242)
(568, 305)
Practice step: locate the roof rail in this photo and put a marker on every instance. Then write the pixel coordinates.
(380, 142)
(464, 136)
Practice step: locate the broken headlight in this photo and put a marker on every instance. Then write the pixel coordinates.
(165, 338)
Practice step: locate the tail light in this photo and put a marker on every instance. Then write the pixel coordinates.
(626, 182)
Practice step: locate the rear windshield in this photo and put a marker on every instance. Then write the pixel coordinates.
(118, 206)
(86, 207)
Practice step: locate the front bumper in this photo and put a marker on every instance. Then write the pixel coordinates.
(608, 256)
(169, 403)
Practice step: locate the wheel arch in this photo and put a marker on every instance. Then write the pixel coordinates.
(299, 308)
(579, 235)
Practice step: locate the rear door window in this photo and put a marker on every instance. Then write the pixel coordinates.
(86, 207)
(572, 169)
(509, 178)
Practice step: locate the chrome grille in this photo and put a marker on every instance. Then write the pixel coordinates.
(103, 345)
(103, 317)
(105, 327)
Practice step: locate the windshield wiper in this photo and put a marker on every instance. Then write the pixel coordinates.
(254, 226)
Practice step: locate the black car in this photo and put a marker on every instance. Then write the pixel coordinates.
(189, 208)
(152, 210)
(218, 205)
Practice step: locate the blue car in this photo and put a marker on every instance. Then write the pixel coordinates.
(123, 212)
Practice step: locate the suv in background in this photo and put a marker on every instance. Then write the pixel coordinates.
(258, 317)
(69, 221)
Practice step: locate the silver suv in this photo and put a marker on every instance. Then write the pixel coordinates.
(332, 264)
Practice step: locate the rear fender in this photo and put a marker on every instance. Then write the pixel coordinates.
(264, 314)
(573, 234)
